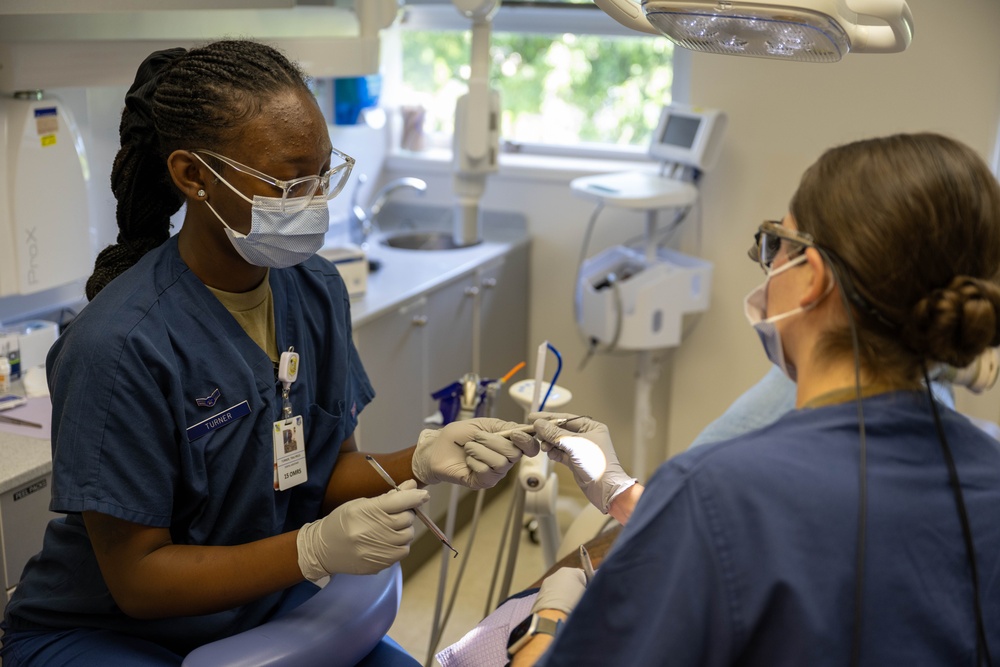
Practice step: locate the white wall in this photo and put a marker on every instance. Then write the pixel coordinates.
(782, 116)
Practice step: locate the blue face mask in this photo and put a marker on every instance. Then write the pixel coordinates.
(755, 308)
(278, 239)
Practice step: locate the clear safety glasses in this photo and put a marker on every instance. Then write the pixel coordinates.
(296, 193)
(771, 237)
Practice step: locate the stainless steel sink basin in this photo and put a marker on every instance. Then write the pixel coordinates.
(423, 241)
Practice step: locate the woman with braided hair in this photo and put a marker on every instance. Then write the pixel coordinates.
(205, 400)
(861, 528)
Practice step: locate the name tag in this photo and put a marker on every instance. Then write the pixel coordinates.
(218, 420)
(289, 453)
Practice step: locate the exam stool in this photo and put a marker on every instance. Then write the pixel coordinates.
(336, 627)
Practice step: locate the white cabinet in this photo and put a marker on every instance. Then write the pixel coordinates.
(392, 348)
(24, 513)
(101, 42)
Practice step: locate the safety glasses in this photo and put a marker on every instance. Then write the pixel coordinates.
(296, 193)
(769, 240)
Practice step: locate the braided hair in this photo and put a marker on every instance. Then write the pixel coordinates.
(913, 224)
(180, 100)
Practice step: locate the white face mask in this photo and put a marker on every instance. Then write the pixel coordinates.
(755, 308)
(276, 239)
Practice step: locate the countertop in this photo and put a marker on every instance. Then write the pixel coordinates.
(403, 275)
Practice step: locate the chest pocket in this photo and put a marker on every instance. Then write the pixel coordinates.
(324, 433)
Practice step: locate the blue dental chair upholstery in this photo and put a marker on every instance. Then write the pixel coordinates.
(336, 627)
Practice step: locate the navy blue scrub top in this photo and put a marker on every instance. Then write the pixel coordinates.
(743, 552)
(152, 356)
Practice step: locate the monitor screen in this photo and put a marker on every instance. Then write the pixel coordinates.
(688, 136)
(680, 131)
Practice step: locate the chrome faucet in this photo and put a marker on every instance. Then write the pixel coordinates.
(364, 222)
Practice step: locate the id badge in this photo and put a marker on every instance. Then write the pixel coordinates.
(289, 453)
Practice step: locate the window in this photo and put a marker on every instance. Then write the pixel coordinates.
(570, 79)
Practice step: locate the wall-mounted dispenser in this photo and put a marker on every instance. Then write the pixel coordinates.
(44, 216)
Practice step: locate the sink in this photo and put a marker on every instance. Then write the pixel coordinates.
(423, 241)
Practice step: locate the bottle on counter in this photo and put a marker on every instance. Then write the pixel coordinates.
(4, 375)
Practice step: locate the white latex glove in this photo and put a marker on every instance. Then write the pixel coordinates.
(584, 445)
(467, 453)
(362, 536)
(561, 590)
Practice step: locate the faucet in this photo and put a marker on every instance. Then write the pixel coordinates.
(364, 222)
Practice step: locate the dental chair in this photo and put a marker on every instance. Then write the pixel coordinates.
(336, 627)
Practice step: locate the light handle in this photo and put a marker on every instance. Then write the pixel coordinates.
(893, 38)
(628, 13)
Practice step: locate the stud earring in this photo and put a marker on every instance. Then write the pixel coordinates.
(201, 193)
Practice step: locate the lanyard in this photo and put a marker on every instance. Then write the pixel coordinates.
(288, 372)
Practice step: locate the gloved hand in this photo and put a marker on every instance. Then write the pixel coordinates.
(362, 536)
(561, 590)
(467, 453)
(585, 446)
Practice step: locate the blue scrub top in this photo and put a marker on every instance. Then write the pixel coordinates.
(153, 355)
(743, 552)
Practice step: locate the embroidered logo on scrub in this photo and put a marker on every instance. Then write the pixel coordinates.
(209, 401)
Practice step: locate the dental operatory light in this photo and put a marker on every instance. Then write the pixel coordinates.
(803, 31)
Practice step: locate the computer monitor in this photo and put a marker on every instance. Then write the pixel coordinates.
(688, 136)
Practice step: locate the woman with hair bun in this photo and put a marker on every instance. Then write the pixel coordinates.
(861, 528)
(205, 400)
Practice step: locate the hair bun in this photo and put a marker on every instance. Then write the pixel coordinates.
(137, 123)
(956, 323)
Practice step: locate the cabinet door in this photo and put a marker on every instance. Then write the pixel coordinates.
(450, 311)
(24, 513)
(393, 351)
(503, 324)
(449, 332)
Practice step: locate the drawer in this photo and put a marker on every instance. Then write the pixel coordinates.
(24, 513)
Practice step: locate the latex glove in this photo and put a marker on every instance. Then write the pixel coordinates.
(584, 445)
(362, 536)
(561, 590)
(466, 452)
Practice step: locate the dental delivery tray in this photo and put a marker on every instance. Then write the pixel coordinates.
(635, 304)
(635, 189)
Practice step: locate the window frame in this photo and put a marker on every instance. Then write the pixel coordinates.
(585, 19)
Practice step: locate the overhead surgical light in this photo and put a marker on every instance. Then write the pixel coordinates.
(805, 31)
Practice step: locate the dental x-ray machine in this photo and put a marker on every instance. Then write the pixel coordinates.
(637, 298)
(477, 125)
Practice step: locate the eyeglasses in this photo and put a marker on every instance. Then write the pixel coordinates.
(767, 243)
(298, 192)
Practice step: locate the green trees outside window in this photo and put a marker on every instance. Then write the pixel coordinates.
(554, 89)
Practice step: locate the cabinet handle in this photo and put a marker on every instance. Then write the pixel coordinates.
(419, 320)
(489, 283)
(472, 290)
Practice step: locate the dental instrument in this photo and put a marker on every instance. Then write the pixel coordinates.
(420, 514)
(18, 422)
(586, 564)
(530, 428)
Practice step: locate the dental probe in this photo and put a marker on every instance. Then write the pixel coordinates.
(420, 515)
(530, 428)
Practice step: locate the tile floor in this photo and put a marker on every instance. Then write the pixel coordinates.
(412, 628)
